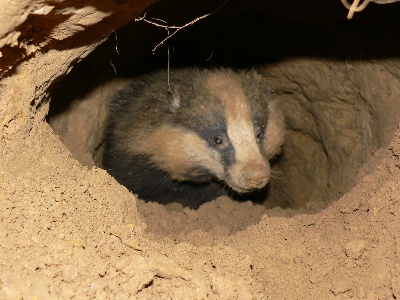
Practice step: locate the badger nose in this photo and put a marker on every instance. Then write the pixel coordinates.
(255, 176)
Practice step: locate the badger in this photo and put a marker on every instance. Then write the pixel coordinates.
(207, 133)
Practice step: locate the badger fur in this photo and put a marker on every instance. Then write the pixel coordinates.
(210, 132)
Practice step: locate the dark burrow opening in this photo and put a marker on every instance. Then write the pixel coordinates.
(336, 80)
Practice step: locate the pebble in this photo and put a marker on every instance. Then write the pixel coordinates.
(355, 249)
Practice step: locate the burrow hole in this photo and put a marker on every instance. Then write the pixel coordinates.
(336, 80)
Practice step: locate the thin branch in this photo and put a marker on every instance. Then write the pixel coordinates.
(177, 28)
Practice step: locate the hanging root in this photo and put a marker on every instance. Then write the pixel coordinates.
(357, 8)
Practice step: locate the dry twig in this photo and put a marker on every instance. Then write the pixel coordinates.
(162, 23)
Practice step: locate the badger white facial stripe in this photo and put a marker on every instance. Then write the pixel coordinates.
(238, 117)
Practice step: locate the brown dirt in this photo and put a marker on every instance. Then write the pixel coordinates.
(70, 231)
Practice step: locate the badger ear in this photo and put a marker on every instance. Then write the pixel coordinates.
(175, 99)
(275, 131)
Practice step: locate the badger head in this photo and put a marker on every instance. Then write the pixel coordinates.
(222, 126)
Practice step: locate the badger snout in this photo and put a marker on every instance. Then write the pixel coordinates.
(249, 177)
(255, 176)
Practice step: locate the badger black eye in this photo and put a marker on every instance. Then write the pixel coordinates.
(218, 140)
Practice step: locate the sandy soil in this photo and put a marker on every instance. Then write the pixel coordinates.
(70, 231)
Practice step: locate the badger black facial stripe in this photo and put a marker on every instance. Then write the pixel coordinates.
(227, 153)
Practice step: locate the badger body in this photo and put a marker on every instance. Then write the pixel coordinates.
(209, 133)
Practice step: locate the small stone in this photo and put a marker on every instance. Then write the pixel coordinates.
(123, 231)
(355, 249)
(69, 273)
(190, 213)
(340, 287)
(131, 243)
(58, 196)
(77, 243)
